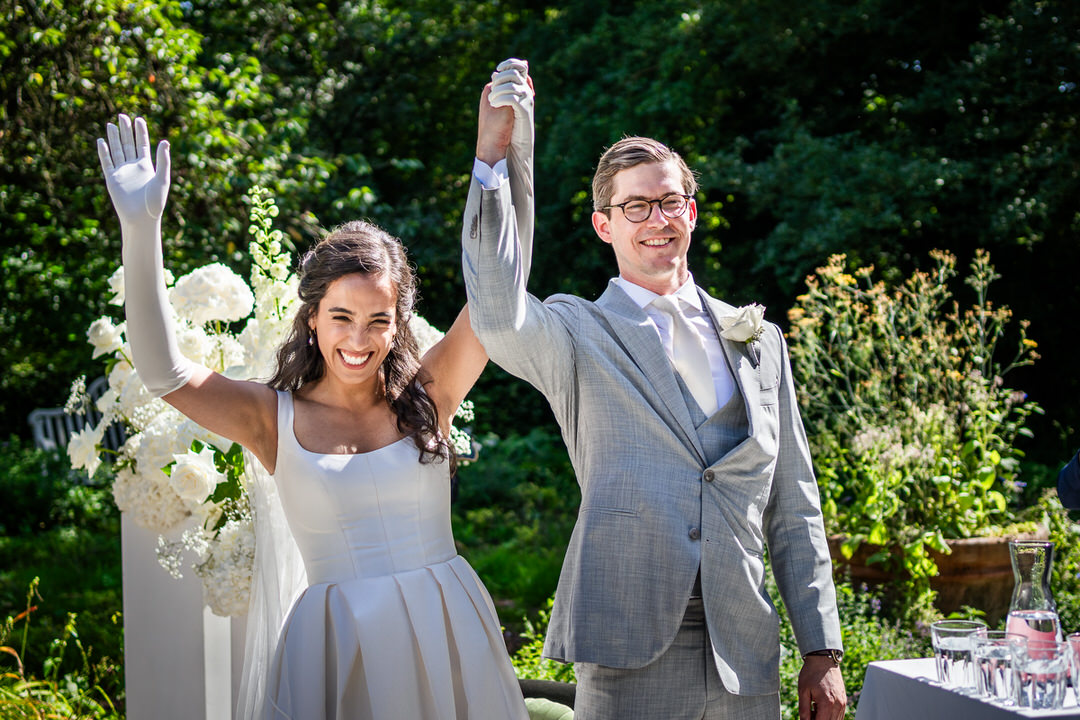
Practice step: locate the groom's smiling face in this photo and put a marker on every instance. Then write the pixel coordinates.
(652, 253)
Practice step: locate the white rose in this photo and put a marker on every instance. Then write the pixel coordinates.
(82, 448)
(212, 292)
(104, 336)
(745, 325)
(194, 476)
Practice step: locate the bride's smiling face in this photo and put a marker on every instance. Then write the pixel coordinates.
(355, 325)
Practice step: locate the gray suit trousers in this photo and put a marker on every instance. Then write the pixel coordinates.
(682, 684)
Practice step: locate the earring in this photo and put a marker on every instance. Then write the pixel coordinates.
(311, 338)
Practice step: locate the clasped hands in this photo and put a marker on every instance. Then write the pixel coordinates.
(499, 129)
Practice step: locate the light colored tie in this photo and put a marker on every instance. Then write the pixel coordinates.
(688, 355)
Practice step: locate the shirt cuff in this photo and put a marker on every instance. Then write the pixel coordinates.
(490, 178)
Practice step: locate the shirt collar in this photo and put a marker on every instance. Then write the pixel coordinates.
(687, 293)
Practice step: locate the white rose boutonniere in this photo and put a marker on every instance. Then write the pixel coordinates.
(745, 325)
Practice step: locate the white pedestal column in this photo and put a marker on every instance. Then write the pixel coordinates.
(181, 661)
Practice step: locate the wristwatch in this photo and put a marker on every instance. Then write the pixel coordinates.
(835, 655)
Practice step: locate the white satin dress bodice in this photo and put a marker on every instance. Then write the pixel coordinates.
(394, 624)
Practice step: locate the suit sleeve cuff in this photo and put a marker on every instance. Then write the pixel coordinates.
(490, 178)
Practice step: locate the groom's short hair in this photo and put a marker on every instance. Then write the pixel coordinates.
(630, 152)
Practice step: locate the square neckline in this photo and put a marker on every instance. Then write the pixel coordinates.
(292, 431)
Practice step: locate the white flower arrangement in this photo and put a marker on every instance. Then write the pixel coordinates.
(170, 470)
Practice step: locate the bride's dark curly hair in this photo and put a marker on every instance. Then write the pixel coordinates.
(360, 247)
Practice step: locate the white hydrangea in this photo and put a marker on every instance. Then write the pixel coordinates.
(104, 336)
(228, 353)
(116, 285)
(194, 343)
(226, 573)
(425, 333)
(212, 293)
(149, 500)
(260, 339)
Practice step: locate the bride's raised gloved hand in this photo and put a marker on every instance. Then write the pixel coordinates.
(138, 191)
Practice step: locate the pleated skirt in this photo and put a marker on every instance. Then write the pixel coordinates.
(418, 645)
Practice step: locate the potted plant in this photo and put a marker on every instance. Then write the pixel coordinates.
(912, 429)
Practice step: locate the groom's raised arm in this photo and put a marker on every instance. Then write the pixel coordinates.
(497, 238)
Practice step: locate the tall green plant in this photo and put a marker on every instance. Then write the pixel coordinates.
(913, 431)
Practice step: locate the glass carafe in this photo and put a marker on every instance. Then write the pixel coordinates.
(1032, 611)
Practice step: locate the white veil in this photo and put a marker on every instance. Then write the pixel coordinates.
(276, 581)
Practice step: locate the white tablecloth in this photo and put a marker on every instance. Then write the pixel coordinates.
(905, 689)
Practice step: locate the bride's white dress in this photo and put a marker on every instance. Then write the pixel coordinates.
(394, 624)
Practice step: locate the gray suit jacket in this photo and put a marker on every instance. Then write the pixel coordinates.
(649, 518)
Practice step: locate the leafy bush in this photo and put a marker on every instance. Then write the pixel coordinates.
(513, 516)
(74, 693)
(529, 661)
(62, 537)
(913, 433)
(1065, 580)
(39, 487)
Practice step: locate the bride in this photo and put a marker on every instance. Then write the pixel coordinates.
(353, 430)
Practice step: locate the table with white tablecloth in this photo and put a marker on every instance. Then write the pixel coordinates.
(905, 689)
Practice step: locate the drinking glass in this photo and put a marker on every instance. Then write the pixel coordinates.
(991, 660)
(1074, 644)
(1040, 672)
(952, 652)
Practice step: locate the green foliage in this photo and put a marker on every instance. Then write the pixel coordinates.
(74, 694)
(1065, 579)
(513, 516)
(529, 662)
(913, 433)
(62, 535)
(875, 128)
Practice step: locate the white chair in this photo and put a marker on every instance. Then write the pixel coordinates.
(53, 427)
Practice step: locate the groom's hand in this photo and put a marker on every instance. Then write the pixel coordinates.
(821, 690)
(494, 128)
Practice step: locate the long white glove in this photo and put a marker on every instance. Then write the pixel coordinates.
(138, 194)
(510, 87)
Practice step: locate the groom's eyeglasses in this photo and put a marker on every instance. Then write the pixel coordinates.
(672, 205)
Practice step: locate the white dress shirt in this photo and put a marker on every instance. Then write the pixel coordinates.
(700, 322)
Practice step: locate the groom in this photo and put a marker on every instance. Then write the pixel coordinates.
(683, 428)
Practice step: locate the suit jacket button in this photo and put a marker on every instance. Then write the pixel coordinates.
(709, 476)
(695, 533)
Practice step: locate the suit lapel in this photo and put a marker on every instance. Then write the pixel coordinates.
(638, 336)
(742, 357)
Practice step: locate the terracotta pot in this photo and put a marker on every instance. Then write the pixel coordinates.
(978, 572)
